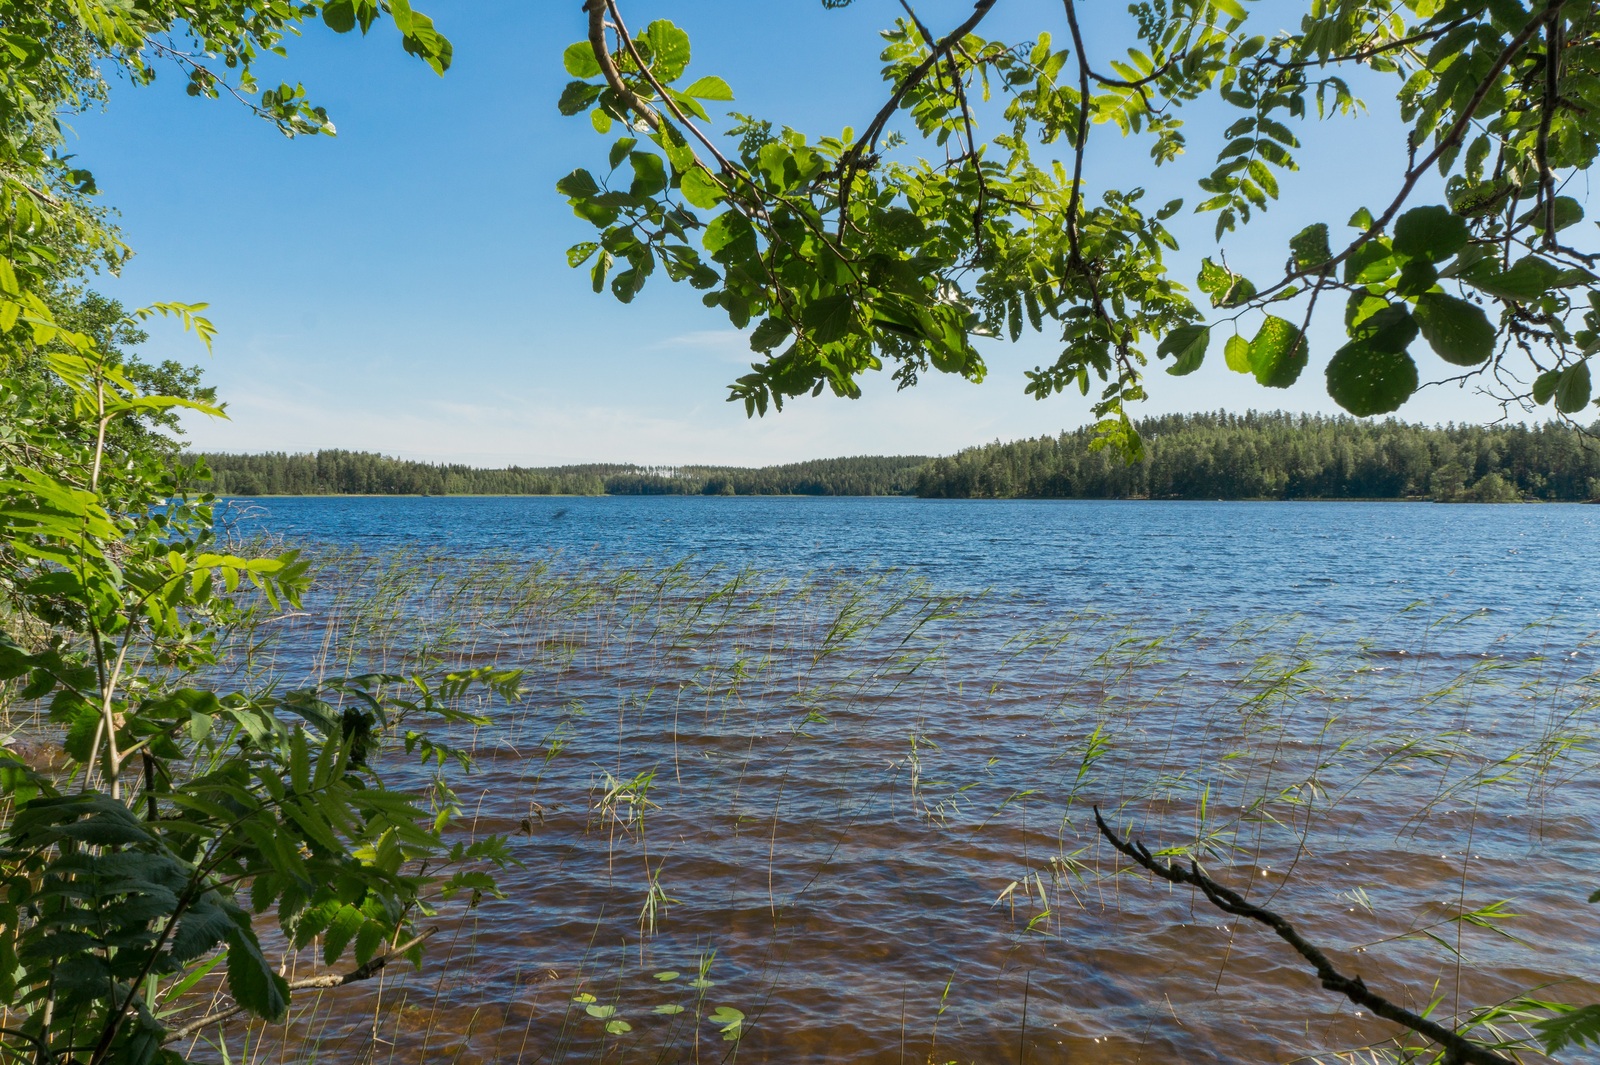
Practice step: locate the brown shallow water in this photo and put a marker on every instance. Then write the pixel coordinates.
(858, 812)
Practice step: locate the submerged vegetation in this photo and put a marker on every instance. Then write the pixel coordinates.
(816, 819)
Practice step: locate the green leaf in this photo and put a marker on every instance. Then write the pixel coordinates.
(1236, 352)
(669, 1010)
(600, 1012)
(1226, 288)
(1572, 1027)
(1569, 212)
(668, 50)
(1527, 279)
(251, 980)
(1188, 343)
(729, 232)
(700, 188)
(1278, 353)
(579, 60)
(1431, 233)
(1369, 264)
(668, 976)
(577, 96)
(709, 88)
(1310, 247)
(618, 1027)
(829, 318)
(1459, 332)
(1366, 380)
(1391, 328)
(649, 174)
(1544, 386)
(730, 1020)
(1573, 388)
(339, 16)
(578, 184)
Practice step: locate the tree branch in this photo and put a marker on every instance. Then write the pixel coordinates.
(596, 10)
(361, 972)
(850, 164)
(1449, 140)
(1458, 1048)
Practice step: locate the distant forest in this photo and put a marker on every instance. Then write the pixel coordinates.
(1283, 456)
(365, 473)
(1203, 456)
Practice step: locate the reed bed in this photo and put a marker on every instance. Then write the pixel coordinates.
(847, 817)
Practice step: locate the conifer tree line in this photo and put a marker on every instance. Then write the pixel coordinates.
(364, 473)
(1284, 456)
(1187, 456)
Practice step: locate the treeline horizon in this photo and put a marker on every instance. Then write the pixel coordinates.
(340, 472)
(1255, 455)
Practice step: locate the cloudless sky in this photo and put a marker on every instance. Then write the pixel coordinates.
(404, 288)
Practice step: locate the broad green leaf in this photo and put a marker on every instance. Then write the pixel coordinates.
(709, 88)
(649, 174)
(1573, 388)
(829, 318)
(1236, 352)
(600, 1012)
(1528, 278)
(1365, 380)
(579, 60)
(1187, 343)
(668, 1010)
(1459, 332)
(1391, 328)
(578, 184)
(577, 96)
(730, 1020)
(1569, 212)
(1225, 288)
(618, 1027)
(1310, 247)
(729, 231)
(1431, 233)
(1278, 353)
(668, 50)
(700, 189)
(339, 16)
(1370, 263)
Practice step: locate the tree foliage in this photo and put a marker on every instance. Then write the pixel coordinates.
(364, 473)
(181, 813)
(853, 252)
(1282, 456)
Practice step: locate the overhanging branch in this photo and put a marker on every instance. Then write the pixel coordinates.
(1458, 1049)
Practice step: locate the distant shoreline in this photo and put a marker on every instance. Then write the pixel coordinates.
(1250, 456)
(924, 499)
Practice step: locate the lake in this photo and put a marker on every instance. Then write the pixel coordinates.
(832, 762)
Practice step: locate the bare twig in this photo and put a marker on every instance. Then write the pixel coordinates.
(1458, 1049)
(371, 968)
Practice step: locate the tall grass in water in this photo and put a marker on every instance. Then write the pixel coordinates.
(846, 818)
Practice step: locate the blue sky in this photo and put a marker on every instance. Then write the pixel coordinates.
(403, 287)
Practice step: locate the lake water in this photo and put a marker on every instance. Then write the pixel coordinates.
(832, 762)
